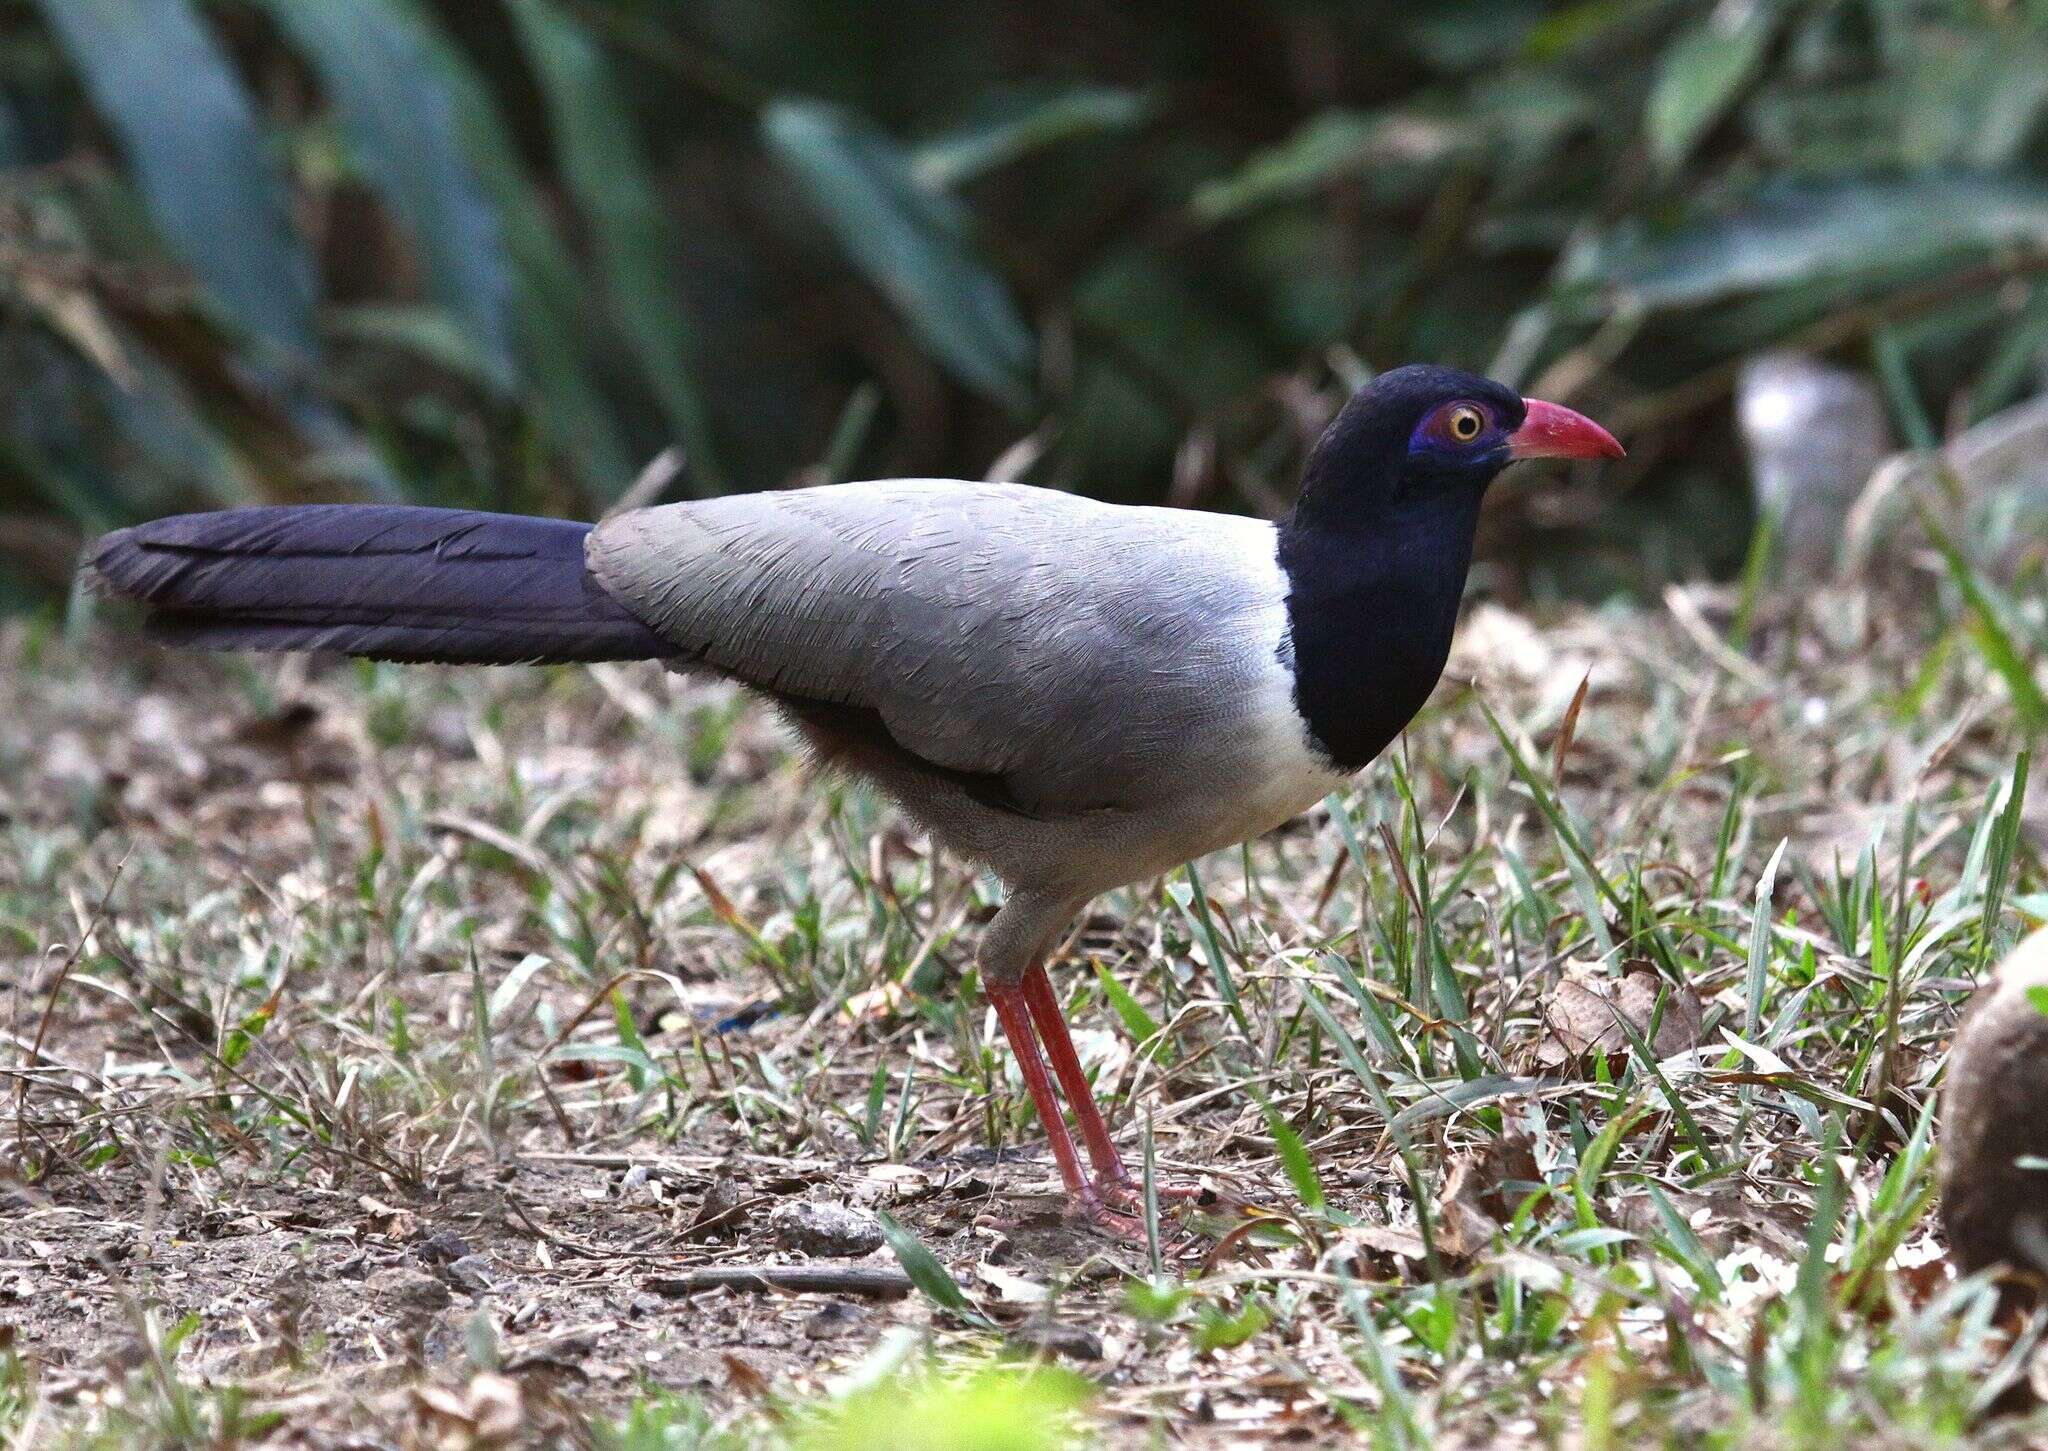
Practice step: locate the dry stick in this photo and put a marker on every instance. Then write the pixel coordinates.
(35, 1049)
(520, 1212)
(303, 1115)
(880, 1281)
(1887, 1064)
(1827, 332)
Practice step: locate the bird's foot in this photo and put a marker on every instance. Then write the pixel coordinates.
(1116, 1207)
(1091, 1211)
(1127, 1194)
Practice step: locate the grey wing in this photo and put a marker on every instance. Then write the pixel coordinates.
(1079, 651)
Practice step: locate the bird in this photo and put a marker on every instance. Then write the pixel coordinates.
(1991, 1141)
(1075, 694)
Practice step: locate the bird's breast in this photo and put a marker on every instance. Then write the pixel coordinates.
(1369, 625)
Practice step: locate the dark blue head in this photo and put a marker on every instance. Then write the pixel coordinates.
(1422, 434)
(1379, 543)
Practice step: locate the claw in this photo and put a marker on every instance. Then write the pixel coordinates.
(1098, 1216)
(1128, 1194)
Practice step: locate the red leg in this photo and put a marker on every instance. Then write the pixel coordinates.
(1066, 1063)
(1113, 1181)
(1015, 1016)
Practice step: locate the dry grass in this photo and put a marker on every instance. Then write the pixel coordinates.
(382, 1044)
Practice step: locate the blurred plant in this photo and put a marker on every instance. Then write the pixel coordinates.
(897, 1400)
(498, 254)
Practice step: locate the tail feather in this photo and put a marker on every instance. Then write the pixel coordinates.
(382, 581)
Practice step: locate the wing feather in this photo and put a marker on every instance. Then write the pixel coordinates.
(963, 613)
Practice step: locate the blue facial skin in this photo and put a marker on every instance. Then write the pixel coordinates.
(1377, 549)
(1434, 450)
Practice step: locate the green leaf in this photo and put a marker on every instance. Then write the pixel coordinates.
(1141, 1025)
(1451, 1097)
(428, 334)
(1294, 1158)
(2005, 841)
(629, 1037)
(911, 1407)
(549, 294)
(1195, 908)
(1155, 1300)
(594, 138)
(1163, 328)
(245, 1033)
(403, 127)
(1756, 976)
(1703, 70)
(2038, 996)
(925, 1271)
(912, 242)
(191, 135)
(1996, 638)
(1784, 234)
(1015, 125)
(639, 1066)
(1392, 148)
(1216, 1330)
(507, 992)
(156, 411)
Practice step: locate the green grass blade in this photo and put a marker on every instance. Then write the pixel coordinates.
(1196, 909)
(910, 241)
(1294, 1160)
(200, 159)
(931, 1277)
(2004, 845)
(1989, 628)
(402, 124)
(608, 174)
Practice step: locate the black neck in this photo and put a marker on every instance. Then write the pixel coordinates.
(1372, 599)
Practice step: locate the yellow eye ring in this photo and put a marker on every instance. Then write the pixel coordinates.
(1466, 423)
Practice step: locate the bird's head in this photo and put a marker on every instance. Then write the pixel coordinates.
(1418, 434)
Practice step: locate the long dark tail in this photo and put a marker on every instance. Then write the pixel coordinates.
(388, 582)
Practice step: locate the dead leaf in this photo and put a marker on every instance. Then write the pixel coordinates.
(442, 1404)
(390, 1221)
(1478, 1195)
(1507, 1172)
(1584, 1019)
(722, 906)
(884, 1002)
(1011, 1288)
(1388, 1242)
(278, 730)
(745, 1379)
(1569, 727)
(496, 1410)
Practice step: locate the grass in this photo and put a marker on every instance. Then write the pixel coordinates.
(515, 957)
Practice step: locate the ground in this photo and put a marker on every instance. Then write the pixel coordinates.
(385, 1049)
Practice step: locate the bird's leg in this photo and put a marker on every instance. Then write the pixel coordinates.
(1066, 1064)
(1113, 1182)
(1013, 1012)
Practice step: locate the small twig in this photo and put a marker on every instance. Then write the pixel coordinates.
(35, 1047)
(654, 481)
(1831, 331)
(575, 1247)
(879, 1281)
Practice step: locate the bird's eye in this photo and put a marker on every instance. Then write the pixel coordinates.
(1455, 428)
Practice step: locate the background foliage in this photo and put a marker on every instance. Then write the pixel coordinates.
(500, 252)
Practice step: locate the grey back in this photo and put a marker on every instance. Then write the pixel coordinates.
(1085, 652)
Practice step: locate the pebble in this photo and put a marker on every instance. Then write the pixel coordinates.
(817, 1227)
(406, 1288)
(472, 1273)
